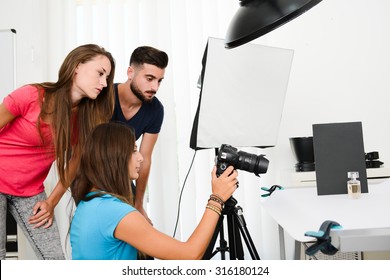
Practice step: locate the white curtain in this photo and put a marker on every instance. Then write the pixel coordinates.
(181, 28)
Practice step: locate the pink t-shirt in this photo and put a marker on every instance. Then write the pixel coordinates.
(25, 160)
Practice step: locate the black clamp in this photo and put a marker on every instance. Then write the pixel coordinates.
(323, 243)
(271, 190)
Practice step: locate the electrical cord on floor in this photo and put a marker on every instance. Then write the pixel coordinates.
(181, 194)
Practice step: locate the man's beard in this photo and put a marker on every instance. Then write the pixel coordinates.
(139, 94)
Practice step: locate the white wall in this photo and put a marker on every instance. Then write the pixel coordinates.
(31, 21)
(339, 73)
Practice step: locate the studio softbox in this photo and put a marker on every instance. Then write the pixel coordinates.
(242, 93)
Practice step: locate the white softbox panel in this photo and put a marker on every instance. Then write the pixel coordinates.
(242, 95)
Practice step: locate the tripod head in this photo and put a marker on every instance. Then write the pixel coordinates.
(230, 205)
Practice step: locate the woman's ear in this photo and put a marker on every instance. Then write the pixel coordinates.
(76, 70)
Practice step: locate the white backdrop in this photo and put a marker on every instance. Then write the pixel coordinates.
(8, 62)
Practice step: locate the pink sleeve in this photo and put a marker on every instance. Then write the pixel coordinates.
(19, 101)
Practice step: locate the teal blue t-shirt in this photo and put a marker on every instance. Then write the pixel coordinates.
(92, 230)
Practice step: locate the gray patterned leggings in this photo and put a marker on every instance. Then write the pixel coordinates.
(46, 243)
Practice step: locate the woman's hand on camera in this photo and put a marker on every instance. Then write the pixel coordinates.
(225, 184)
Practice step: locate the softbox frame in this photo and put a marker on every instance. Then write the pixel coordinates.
(242, 93)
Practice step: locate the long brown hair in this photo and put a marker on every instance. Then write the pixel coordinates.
(104, 163)
(56, 104)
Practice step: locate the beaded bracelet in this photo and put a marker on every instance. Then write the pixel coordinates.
(215, 205)
(214, 208)
(219, 214)
(217, 198)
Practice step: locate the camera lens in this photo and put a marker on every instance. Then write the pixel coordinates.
(252, 163)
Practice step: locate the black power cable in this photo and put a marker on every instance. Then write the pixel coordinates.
(181, 194)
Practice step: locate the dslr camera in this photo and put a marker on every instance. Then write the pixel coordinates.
(228, 155)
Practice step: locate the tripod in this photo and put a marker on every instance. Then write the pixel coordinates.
(236, 225)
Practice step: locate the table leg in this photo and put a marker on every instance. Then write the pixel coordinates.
(282, 245)
(298, 248)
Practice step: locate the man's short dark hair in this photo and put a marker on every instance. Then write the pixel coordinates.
(149, 55)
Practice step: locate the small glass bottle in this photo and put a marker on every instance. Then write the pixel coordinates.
(353, 185)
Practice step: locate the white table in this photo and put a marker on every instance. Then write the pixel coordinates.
(365, 221)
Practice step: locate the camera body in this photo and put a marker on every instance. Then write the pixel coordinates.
(228, 155)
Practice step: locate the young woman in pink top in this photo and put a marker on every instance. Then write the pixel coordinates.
(47, 122)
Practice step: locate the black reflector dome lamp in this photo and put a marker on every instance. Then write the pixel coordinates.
(255, 18)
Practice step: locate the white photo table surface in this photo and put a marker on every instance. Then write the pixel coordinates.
(365, 222)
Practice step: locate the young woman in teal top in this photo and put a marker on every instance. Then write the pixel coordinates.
(107, 226)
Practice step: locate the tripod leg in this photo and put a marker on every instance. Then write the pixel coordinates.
(236, 225)
(223, 245)
(235, 245)
(239, 217)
